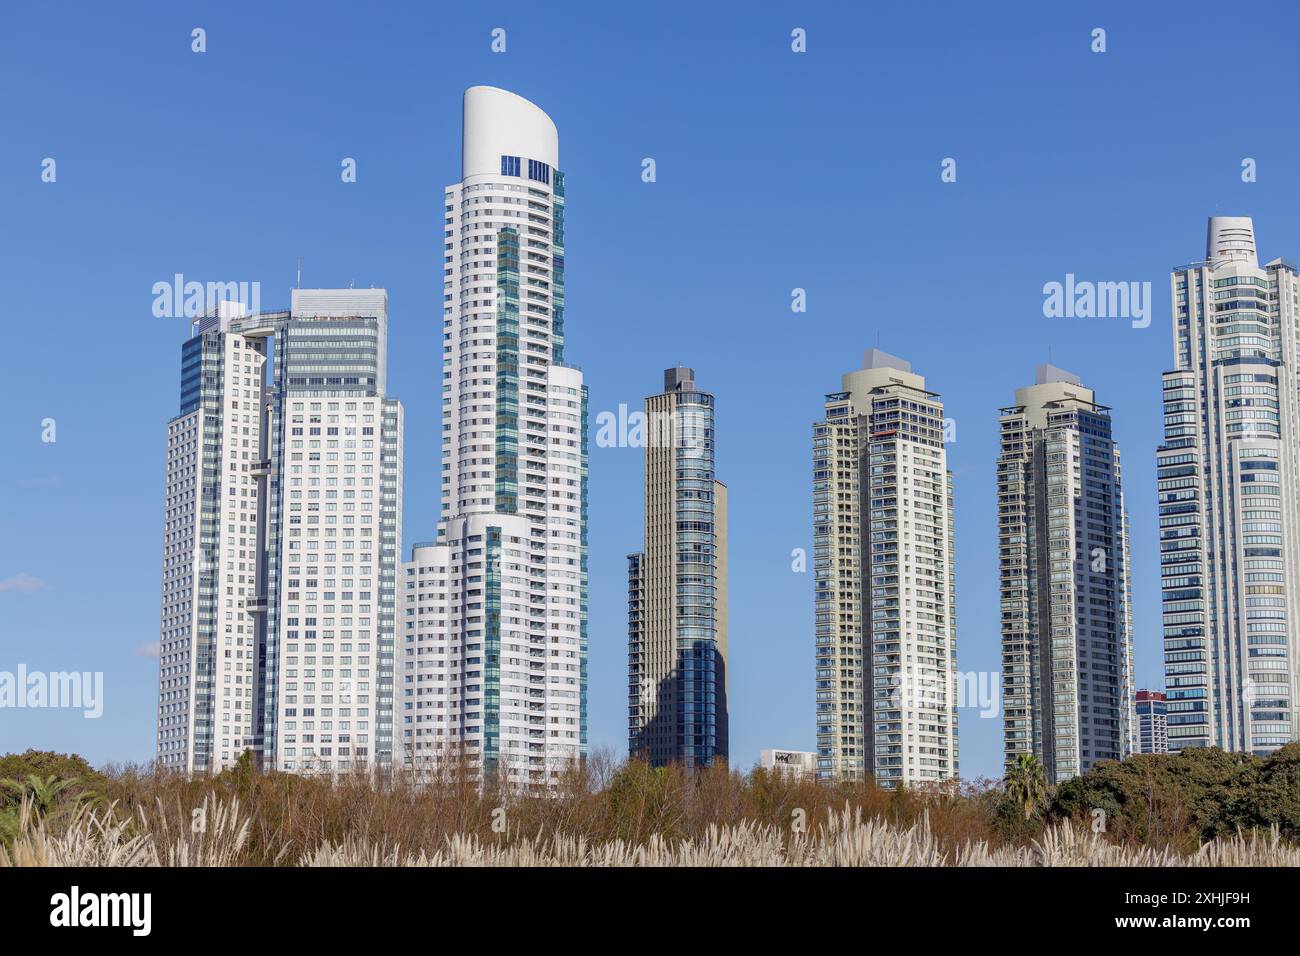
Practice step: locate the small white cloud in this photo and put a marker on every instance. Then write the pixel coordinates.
(22, 583)
(148, 649)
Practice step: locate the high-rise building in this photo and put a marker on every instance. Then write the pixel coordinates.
(333, 535)
(212, 631)
(1067, 647)
(494, 611)
(1152, 717)
(677, 587)
(1229, 479)
(885, 587)
(281, 540)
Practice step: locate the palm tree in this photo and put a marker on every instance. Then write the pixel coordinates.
(1026, 783)
(42, 792)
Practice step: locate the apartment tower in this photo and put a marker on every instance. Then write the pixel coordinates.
(281, 540)
(885, 597)
(1229, 483)
(1067, 647)
(494, 611)
(677, 587)
(1153, 722)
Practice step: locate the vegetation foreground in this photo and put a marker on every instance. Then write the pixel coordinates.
(1202, 808)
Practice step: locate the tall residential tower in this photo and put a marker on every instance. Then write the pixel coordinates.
(494, 612)
(1229, 473)
(1067, 647)
(281, 540)
(677, 587)
(885, 586)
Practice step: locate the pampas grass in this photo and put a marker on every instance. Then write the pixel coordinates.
(101, 837)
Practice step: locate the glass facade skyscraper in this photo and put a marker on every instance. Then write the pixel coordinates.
(677, 587)
(1229, 478)
(1067, 644)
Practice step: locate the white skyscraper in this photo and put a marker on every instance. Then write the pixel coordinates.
(1229, 473)
(212, 623)
(493, 631)
(885, 586)
(281, 540)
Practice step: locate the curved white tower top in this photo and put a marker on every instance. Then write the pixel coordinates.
(495, 610)
(1231, 238)
(500, 123)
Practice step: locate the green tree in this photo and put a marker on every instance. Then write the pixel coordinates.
(52, 783)
(45, 763)
(43, 792)
(1026, 783)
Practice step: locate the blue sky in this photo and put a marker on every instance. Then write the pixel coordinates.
(775, 170)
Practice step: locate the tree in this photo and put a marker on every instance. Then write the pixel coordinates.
(1026, 783)
(43, 792)
(51, 784)
(44, 764)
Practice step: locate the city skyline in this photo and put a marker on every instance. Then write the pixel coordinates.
(1130, 221)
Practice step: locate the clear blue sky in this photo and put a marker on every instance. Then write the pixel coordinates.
(775, 171)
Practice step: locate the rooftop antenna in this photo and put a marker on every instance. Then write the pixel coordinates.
(298, 285)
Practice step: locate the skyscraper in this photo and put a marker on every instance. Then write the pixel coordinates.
(885, 597)
(281, 539)
(677, 587)
(494, 612)
(1067, 648)
(333, 535)
(212, 626)
(1230, 498)
(1153, 723)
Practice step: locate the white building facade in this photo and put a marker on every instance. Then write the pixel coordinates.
(493, 637)
(1229, 479)
(886, 642)
(281, 541)
(211, 626)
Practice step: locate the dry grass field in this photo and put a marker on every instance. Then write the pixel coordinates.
(600, 815)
